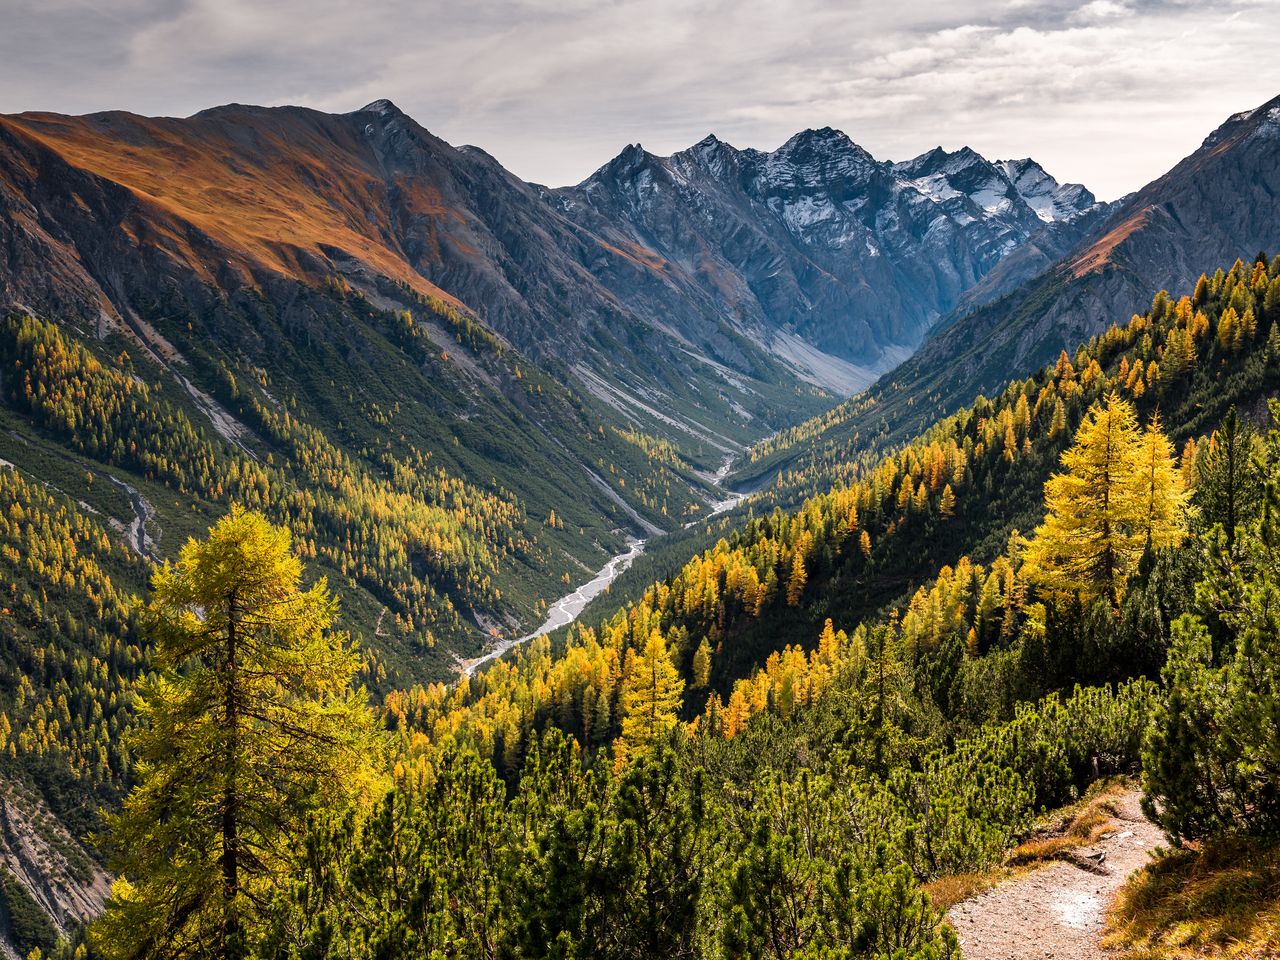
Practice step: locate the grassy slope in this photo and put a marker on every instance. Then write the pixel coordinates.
(1221, 899)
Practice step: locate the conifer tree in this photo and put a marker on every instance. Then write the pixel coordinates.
(1092, 534)
(1058, 422)
(1228, 489)
(947, 504)
(1229, 329)
(796, 582)
(1159, 497)
(650, 699)
(702, 665)
(1212, 757)
(1271, 300)
(1201, 292)
(250, 724)
(1121, 493)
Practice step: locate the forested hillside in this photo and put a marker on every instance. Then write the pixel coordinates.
(1217, 204)
(415, 472)
(890, 523)
(666, 783)
(766, 755)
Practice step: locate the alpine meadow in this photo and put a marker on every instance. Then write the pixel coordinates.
(782, 553)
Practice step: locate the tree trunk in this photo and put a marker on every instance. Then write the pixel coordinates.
(231, 945)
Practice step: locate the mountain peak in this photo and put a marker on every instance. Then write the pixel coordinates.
(1260, 121)
(710, 154)
(630, 161)
(633, 154)
(822, 138)
(939, 160)
(819, 156)
(382, 107)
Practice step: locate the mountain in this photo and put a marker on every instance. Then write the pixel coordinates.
(699, 294)
(724, 284)
(818, 244)
(107, 214)
(391, 344)
(1219, 204)
(318, 301)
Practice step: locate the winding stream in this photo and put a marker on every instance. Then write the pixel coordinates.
(566, 610)
(142, 512)
(732, 499)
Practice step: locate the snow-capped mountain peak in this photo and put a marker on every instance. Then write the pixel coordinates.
(1050, 200)
(1004, 189)
(808, 237)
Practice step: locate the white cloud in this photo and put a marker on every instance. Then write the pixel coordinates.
(1101, 10)
(1107, 92)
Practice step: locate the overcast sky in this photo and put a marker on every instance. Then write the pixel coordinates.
(1110, 93)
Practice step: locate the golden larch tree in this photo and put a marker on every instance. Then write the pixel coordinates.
(1093, 532)
(251, 724)
(650, 699)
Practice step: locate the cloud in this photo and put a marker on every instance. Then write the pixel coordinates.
(1101, 10)
(1107, 92)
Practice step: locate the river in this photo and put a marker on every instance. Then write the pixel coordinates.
(566, 610)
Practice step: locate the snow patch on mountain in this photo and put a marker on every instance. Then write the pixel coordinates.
(823, 369)
(1000, 189)
(936, 187)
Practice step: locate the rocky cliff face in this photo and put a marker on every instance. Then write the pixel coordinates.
(42, 868)
(820, 240)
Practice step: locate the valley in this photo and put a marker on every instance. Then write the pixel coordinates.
(739, 553)
(569, 607)
(565, 610)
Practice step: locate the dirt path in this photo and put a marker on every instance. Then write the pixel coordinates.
(1057, 912)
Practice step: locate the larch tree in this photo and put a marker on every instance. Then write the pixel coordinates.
(251, 723)
(947, 503)
(1090, 536)
(796, 582)
(1158, 491)
(702, 665)
(650, 699)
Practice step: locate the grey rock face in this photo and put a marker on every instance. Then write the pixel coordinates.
(855, 255)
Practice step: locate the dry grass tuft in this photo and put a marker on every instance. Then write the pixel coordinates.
(1221, 900)
(1078, 825)
(945, 892)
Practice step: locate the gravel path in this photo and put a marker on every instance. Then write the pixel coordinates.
(1058, 911)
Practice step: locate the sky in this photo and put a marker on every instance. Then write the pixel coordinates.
(1110, 93)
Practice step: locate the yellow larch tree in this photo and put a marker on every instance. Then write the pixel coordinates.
(1091, 534)
(650, 699)
(1158, 490)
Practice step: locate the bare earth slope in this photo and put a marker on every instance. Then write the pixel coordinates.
(1058, 911)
